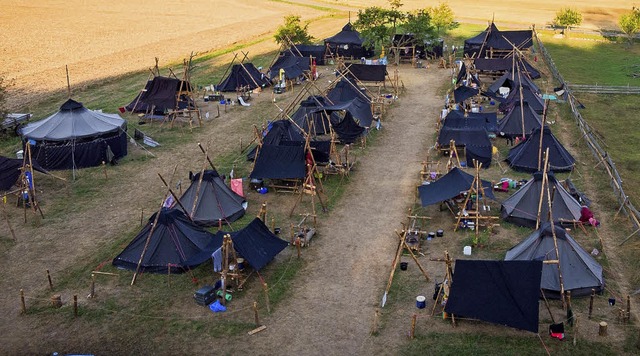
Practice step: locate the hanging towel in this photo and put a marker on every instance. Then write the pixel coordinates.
(217, 260)
(236, 186)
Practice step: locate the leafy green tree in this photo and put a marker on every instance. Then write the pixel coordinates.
(567, 17)
(630, 23)
(374, 25)
(293, 31)
(420, 24)
(442, 18)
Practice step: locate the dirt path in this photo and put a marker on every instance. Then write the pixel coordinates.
(331, 308)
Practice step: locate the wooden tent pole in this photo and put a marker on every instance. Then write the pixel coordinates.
(6, 217)
(545, 181)
(207, 155)
(195, 199)
(146, 243)
(394, 264)
(553, 232)
(235, 55)
(175, 197)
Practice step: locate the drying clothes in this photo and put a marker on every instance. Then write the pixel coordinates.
(217, 260)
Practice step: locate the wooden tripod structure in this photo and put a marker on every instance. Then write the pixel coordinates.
(454, 157)
(442, 294)
(474, 214)
(27, 184)
(310, 186)
(186, 91)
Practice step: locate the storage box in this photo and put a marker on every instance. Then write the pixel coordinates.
(205, 295)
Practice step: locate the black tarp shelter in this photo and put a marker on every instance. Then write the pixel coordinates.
(10, 170)
(511, 81)
(501, 65)
(311, 51)
(459, 119)
(474, 139)
(293, 66)
(521, 208)
(500, 292)
(348, 43)
(345, 90)
(449, 186)
(366, 72)
(211, 201)
(463, 92)
(161, 94)
(532, 98)
(580, 271)
(76, 137)
(243, 76)
(172, 245)
(255, 243)
(525, 156)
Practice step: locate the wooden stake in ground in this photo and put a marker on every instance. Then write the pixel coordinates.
(255, 314)
(593, 295)
(50, 281)
(394, 264)
(265, 287)
(6, 218)
(412, 334)
(75, 305)
(23, 305)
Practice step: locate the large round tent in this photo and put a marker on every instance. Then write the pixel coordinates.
(76, 137)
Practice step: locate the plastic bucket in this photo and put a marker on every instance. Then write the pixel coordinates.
(467, 250)
(431, 235)
(403, 265)
(440, 233)
(421, 302)
(240, 264)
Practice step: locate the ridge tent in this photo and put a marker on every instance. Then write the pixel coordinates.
(495, 43)
(312, 118)
(500, 292)
(174, 241)
(511, 81)
(345, 90)
(524, 156)
(580, 271)
(347, 43)
(76, 137)
(138, 106)
(211, 201)
(243, 76)
(521, 208)
(511, 124)
(449, 186)
(255, 243)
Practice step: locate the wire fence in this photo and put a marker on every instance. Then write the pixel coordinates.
(594, 143)
(604, 89)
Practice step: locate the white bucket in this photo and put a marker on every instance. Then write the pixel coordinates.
(20, 154)
(467, 250)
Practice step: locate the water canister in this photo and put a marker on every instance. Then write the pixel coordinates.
(467, 250)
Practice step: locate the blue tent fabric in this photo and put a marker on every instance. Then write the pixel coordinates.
(500, 292)
(173, 245)
(279, 162)
(449, 186)
(255, 243)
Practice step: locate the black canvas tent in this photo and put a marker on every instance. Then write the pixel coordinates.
(345, 90)
(76, 137)
(429, 48)
(525, 156)
(255, 243)
(138, 106)
(511, 81)
(521, 208)
(161, 94)
(172, 245)
(312, 118)
(10, 170)
(286, 133)
(492, 39)
(311, 51)
(532, 98)
(511, 124)
(243, 76)
(580, 271)
(366, 72)
(293, 66)
(499, 292)
(449, 186)
(280, 162)
(211, 201)
(348, 43)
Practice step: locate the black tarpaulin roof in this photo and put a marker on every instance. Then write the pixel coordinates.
(499, 292)
(314, 51)
(244, 75)
(162, 93)
(449, 186)
(348, 35)
(345, 90)
(366, 72)
(457, 118)
(479, 45)
(293, 66)
(464, 92)
(504, 64)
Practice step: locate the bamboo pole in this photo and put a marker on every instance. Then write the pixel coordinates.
(412, 334)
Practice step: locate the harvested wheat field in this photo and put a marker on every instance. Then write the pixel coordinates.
(325, 300)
